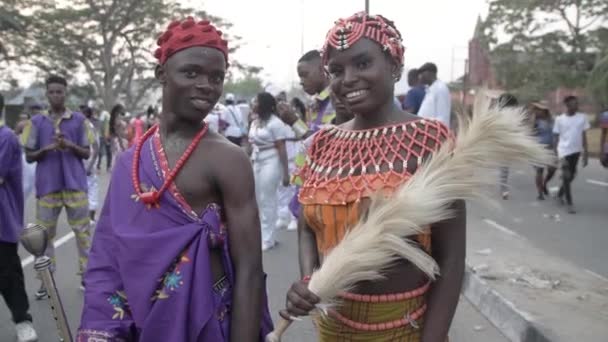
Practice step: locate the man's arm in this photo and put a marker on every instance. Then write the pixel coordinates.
(82, 152)
(449, 250)
(585, 154)
(443, 106)
(556, 132)
(237, 190)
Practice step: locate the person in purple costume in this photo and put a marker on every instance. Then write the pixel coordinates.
(12, 286)
(177, 251)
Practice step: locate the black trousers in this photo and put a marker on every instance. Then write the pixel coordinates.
(235, 140)
(12, 285)
(105, 149)
(568, 165)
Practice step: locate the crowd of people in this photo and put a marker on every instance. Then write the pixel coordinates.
(198, 191)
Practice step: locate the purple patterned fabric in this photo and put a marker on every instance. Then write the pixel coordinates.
(149, 276)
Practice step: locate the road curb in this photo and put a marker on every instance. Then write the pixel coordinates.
(515, 324)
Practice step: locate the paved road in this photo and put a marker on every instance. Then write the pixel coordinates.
(280, 264)
(580, 238)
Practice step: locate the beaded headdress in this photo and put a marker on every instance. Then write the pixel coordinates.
(184, 34)
(349, 31)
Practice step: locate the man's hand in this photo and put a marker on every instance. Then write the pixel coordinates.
(60, 141)
(50, 147)
(287, 113)
(285, 180)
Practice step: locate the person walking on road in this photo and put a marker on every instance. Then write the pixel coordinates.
(437, 102)
(543, 129)
(270, 164)
(570, 139)
(506, 100)
(12, 285)
(59, 141)
(92, 178)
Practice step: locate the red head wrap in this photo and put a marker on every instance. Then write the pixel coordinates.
(186, 34)
(349, 31)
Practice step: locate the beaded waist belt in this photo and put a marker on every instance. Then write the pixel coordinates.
(409, 319)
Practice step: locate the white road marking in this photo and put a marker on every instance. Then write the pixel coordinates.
(500, 227)
(598, 276)
(596, 182)
(30, 259)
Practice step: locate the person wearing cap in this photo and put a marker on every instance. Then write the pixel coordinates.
(235, 129)
(177, 250)
(543, 130)
(437, 103)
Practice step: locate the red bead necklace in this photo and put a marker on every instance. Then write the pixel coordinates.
(152, 197)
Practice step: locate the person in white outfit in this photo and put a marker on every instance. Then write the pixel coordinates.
(570, 141)
(437, 103)
(270, 166)
(285, 193)
(29, 170)
(89, 164)
(236, 128)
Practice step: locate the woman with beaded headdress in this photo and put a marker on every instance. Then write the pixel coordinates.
(378, 150)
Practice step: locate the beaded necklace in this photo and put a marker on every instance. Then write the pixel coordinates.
(152, 197)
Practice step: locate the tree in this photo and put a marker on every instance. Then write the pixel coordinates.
(10, 21)
(109, 41)
(246, 86)
(598, 82)
(552, 42)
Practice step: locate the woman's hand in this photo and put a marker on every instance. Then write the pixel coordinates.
(300, 301)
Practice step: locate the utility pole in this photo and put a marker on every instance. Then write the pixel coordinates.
(367, 6)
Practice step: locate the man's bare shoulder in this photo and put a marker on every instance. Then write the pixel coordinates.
(223, 154)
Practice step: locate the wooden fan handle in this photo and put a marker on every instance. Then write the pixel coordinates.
(279, 330)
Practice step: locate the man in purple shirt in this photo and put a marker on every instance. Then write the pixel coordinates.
(12, 286)
(415, 96)
(59, 142)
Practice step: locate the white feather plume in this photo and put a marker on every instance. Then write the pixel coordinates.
(461, 169)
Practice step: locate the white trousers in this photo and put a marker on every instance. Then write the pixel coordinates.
(267, 173)
(93, 191)
(29, 177)
(285, 194)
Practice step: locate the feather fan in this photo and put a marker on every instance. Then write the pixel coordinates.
(460, 169)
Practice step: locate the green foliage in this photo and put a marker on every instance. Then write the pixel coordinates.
(598, 82)
(245, 87)
(552, 42)
(109, 41)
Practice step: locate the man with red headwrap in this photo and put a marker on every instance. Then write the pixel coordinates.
(176, 254)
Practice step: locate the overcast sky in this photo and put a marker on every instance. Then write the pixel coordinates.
(276, 31)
